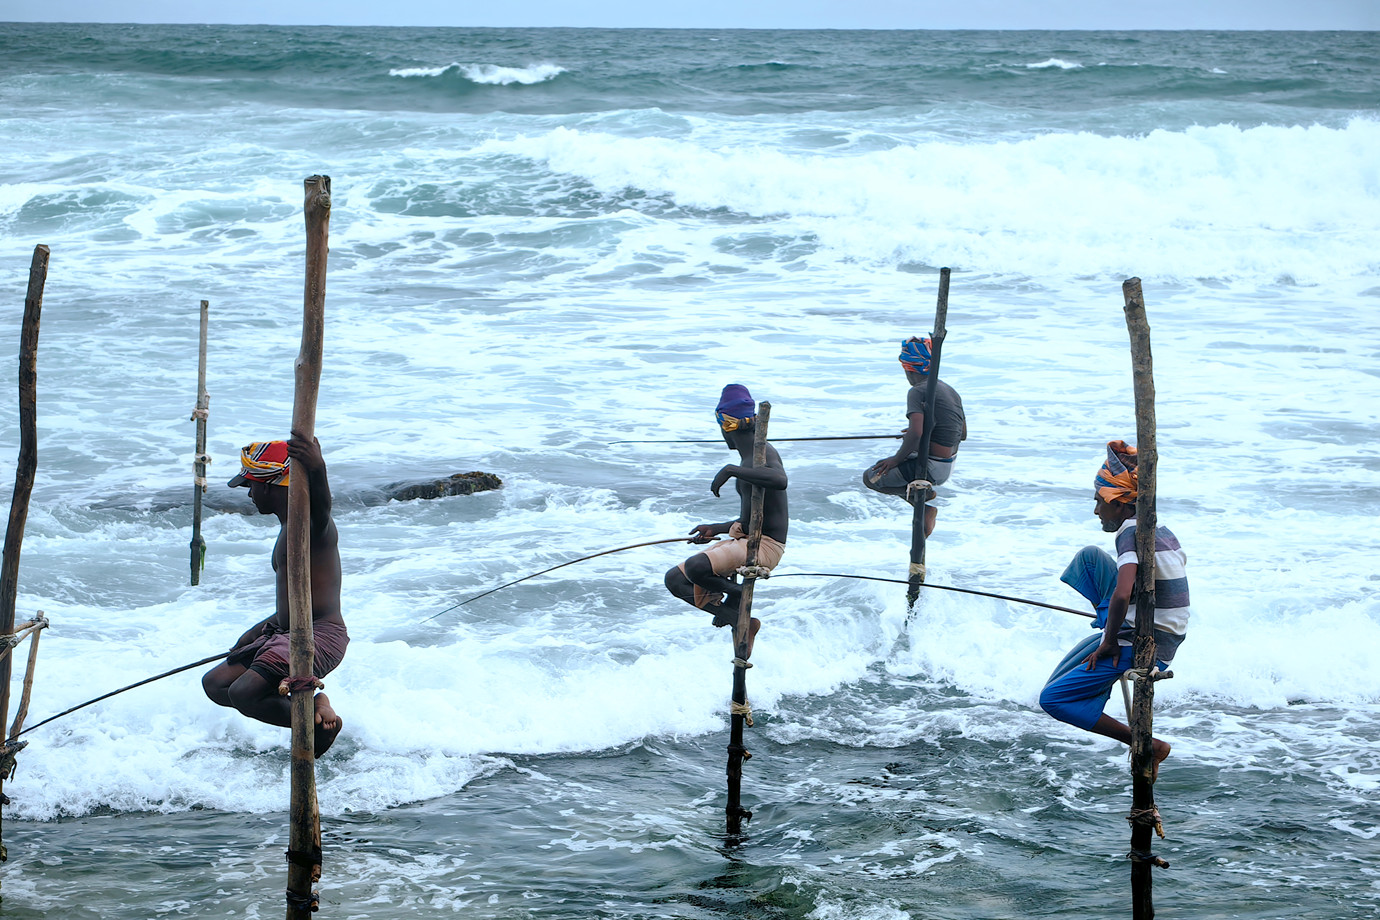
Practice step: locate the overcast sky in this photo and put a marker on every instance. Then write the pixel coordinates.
(767, 14)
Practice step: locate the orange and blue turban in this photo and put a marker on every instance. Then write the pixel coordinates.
(736, 407)
(263, 461)
(915, 354)
(1117, 480)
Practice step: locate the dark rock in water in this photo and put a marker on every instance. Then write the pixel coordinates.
(219, 498)
(456, 484)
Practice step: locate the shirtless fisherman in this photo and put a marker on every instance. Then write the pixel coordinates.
(1078, 689)
(706, 579)
(893, 475)
(248, 679)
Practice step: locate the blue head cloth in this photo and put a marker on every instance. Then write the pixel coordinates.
(915, 354)
(736, 402)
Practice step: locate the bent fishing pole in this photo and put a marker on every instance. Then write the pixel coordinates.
(899, 581)
(149, 680)
(561, 566)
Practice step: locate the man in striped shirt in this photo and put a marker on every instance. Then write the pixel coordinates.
(1079, 688)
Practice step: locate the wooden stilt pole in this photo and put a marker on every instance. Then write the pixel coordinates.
(741, 713)
(203, 403)
(1143, 816)
(305, 832)
(917, 524)
(25, 469)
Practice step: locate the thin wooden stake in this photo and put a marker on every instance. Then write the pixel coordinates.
(203, 404)
(305, 831)
(1142, 704)
(917, 523)
(741, 632)
(39, 624)
(25, 468)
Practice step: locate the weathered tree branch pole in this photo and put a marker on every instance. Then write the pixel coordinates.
(203, 403)
(917, 524)
(305, 832)
(1142, 705)
(741, 713)
(25, 468)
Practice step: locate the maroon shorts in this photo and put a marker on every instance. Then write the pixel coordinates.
(268, 654)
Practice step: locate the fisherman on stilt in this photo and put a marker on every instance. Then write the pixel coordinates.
(248, 679)
(893, 475)
(1080, 686)
(706, 579)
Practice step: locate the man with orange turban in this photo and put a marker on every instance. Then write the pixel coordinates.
(249, 677)
(1080, 686)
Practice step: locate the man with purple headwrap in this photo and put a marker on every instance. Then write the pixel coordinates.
(1082, 682)
(706, 579)
(893, 475)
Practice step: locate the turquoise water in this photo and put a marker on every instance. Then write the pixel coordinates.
(547, 240)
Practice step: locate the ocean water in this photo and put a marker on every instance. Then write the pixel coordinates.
(546, 241)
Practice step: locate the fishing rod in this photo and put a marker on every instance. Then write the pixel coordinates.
(899, 581)
(218, 657)
(561, 566)
(828, 437)
(895, 581)
(185, 667)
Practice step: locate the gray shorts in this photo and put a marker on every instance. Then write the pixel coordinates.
(895, 481)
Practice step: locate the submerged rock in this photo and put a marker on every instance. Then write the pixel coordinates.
(219, 498)
(455, 484)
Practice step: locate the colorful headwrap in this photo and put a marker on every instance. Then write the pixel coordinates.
(736, 407)
(915, 354)
(263, 461)
(1117, 480)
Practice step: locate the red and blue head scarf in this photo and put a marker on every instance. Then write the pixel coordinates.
(262, 461)
(915, 354)
(1117, 480)
(736, 408)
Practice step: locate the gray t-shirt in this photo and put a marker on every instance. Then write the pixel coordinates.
(948, 412)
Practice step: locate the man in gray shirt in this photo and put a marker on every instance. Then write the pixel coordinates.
(893, 475)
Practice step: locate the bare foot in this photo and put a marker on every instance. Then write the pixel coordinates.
(328, 724)
(1160, 749)
(753, 625)
(723, 615)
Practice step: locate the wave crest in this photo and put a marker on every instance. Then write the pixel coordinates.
(1210, 202)
(486, 74)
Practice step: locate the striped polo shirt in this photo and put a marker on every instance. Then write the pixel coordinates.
(1171, 582)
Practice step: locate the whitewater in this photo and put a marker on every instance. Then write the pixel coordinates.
(547, 241)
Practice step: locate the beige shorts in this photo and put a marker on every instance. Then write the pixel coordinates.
(727, 556)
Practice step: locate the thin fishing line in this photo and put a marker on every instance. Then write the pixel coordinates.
(185, 667)
(828, 437)
(900, 581)
(561, 566)
(895, 581)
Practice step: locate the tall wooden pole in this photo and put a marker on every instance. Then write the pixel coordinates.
(917, 523)
(25, 468)
(741, 714)
(305, 833)
(1143, 817)
(203, 403)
